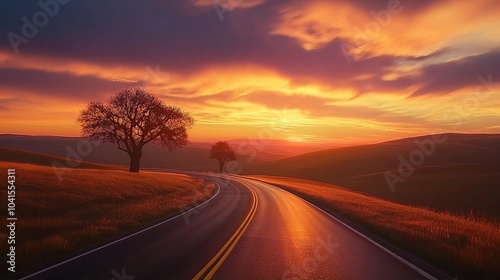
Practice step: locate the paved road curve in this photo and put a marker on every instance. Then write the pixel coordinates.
(249, 230)
(176, 249)
(291, 239)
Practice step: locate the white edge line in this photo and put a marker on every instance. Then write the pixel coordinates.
(396, 256)
(123, 238)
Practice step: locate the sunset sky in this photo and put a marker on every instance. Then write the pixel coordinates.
(329, 71)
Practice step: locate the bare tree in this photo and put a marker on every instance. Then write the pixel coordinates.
(222, 152)
(133, 118)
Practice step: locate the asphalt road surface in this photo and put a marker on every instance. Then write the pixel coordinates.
(248, 230)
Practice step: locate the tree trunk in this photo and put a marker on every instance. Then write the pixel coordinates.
(135, 162)
(221, 165)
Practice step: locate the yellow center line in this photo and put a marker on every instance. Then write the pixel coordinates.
(209, 270)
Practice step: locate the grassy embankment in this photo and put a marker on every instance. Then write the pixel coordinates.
(461, 175)
(58, 218)
(463, 246)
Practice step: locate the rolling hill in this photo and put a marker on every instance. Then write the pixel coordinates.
(459, 175)
(194, 156)
(21, 156)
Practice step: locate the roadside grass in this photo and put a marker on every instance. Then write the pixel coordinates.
(460, 176)
(466, 247)
(57, 219)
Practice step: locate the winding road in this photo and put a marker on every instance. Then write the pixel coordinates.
(247, 230)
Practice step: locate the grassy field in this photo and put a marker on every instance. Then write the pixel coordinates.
(457, 189)
(462, 175)
(463, 246)
(57, 218)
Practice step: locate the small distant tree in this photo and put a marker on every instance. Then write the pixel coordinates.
(222, 152)
(133, 118)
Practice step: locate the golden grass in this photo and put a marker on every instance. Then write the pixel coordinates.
(89, 207)
(463, 246)
(461, 176)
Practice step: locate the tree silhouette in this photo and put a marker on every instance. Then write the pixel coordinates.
(222, 152)
(133, 118)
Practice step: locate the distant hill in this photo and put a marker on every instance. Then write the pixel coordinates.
(20, 156)
(461, 175)
(194, 156)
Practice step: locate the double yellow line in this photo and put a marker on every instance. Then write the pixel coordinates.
(209, 270)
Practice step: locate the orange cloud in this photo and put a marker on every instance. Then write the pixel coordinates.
(228, 5)
(76, 67)
(394, 30)
(316, 23)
